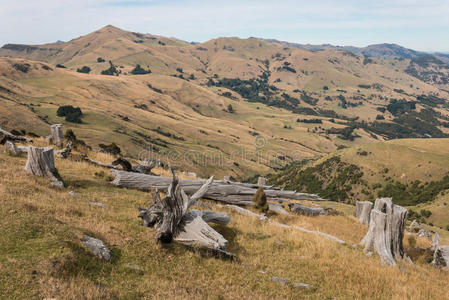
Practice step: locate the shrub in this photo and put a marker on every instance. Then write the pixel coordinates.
(380, 117)
(111, 148)
(138, 70)
(60, 66)
(84, 69)
(230, 109)
(22, 67)
(260, 200)
(77, 144)
(111, 71)
(100, 60)
(425, 213)
(70, 113)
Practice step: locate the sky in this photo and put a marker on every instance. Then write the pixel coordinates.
(418, 24)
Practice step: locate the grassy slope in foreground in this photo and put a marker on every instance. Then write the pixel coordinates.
(42, 256)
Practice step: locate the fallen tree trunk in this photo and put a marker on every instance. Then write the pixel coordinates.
(363, 211)
(41, 162)
(64, 153)
(124, 164)
(212, 216)
(7, 136)
(386, 231)
(172, 220)
(221, 190)
(264, 218)
(307, 211)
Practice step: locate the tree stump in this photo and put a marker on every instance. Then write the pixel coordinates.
(11, 148)
(441, 257)
(41, 162)
(363, 211)
(57, 136)
(172, 220)
(261, 181)
(386, 231)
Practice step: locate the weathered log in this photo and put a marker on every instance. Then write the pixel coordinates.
(7, 136)
(41, 162)
(56, 134)
(307, 211)
(278, 208)
(413, 224)
(220, 218)
(441, 257)
(264, 218)
(221, 190)
(172, 220)
(386, 231)
(424, 233)
(363, 211)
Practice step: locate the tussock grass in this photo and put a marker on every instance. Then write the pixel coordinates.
(43, 257)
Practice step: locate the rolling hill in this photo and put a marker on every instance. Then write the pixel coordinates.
(232, 106)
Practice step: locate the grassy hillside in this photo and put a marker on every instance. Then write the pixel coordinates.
(43, 257)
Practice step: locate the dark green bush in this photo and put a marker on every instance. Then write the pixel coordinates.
(260, 199)
(84, 69)
(111, 148)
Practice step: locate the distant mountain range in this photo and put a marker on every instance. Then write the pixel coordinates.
(381, 51)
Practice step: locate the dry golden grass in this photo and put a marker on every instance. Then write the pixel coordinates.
(43, 257)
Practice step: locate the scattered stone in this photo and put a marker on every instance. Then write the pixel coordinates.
(98, 204)
(369, 254)
(279, 280)
(262, 272)
(134, 267)
(97, 247)
(74, 194)
(303, 285)
(280, 243)
(57, 184)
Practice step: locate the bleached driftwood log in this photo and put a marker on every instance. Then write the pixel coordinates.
(386, 231)
(56, 135)
(278, 208)
(172, 220)
(247, 212)
(41, 162)
(441, 257)
(363, 211)
(307, 211)
(261, 181)
(221, 190)
(7, 136)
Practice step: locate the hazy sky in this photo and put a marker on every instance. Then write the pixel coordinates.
(418, 24)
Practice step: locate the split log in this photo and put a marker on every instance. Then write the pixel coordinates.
(386, 231)
(41, 162)
(441, 257)
(172, 220)
(221, 190)
(307, 211)
(56, 135)
(363, 211)
(7, 136)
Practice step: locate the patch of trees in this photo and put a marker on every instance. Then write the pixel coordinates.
(100, 60)
(399, 107)
(346, 133)
(286, 67)
(364, 86)
(310, 121)
(430, 100)
(111, 71)
(168, 134)
(308, 99)
(380, 117)
(24, 68)
(60, 66)
(290, 99)
(84, 69)
(71, 114)
(138, 70)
